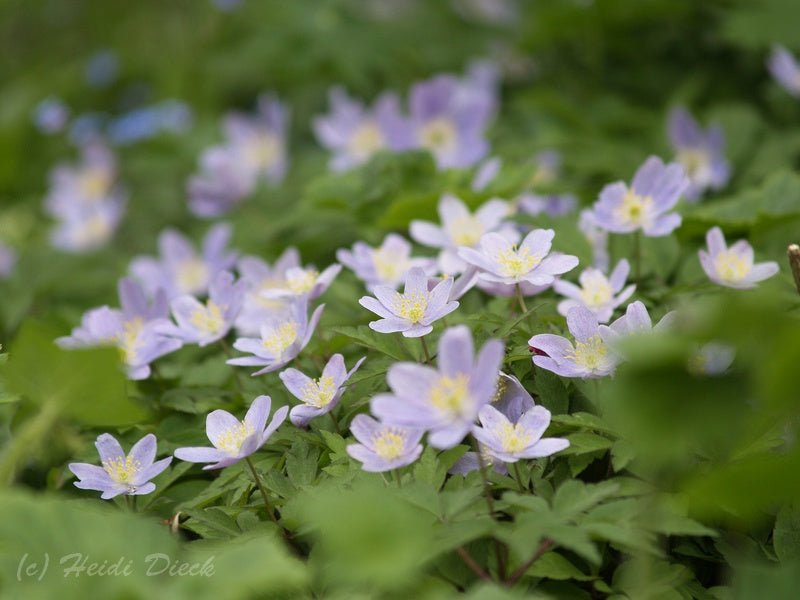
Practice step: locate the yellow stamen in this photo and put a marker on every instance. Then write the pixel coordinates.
(731, 267)
(208, 319)
(590, 354)
(517, 262)
(122, 471)
(635, 210)
(366, 140)
(596, 290)
(513, 438)
(281, 338)
(319, 392)
(231, 440)
(388, 444)
(129, 341)
(192, 275)
(466, 231)
(301, 281)
(411, 306)
(438, 135)
(390, 266)
(262, 151)
(450, 394)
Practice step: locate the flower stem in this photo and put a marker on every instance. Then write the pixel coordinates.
(229, 353)
(543, 547)
(425, 350)
(335, 423)
(472, 564)
(257, 479)
(521, 299)
(637, 257)
(518, 477)
(397, 477)
(487, 492)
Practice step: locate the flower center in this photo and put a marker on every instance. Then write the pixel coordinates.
(262, 150)
(438, 135)
(281, 338)
(129, 341)
(451, 394)
(319, 392)
(366, 140)
(697, 163)
(596, 291)
(122, 471)
(231, 440)
(513, 438)
(411, 306)
(301, 281)
(95, 230)
(94, 184)
(388, 444)
(731, 267)
(517, 262)
(466, 231)
(500, 390)
(191, 275)
(591, 354)
(635, 210)
(208, 319)
(390, 266)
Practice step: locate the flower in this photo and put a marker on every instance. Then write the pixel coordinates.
(259, 278)
(383, 447)
(135, 329)
(204, 323)
(733, 267)
(233, 439)
(711, 359)
(413, 311)
(449, 117)
(180, 269)
(548, 165)
(89, 228)
(120, 474)
(589, 358)
(700, 153)
(223, 182)
(645, 205)
(354, 133)
(486, 173)
(51, 115)
(597, 238)
(8, 260)
(554, 205)
(319, 396)
(509, 441)
(385, 265)
(282, 337)
(459, 228)
(443, 401)
(784, 68)
(598, 293)
(503, 262)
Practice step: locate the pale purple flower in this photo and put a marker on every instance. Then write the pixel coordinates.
(504, 262)
(460, 228)
(461, 284)
(282, 337)
(509, 441)
(88, 227)
(383, 447)
(8, 260)
(224, 181)
(51, 115)
(354, 133)
(597, 238)
(180, 269)
(232, 439)
(554, 205)
(486, 173)
(597, 292)
(318, 396)
(733, 267)
(711, 359)
(128, 475)
(449, 117)
(444, 401)
(635, 321)
(203, 323)
(135, 329)
(784, 68)
(645, 205)
(548, 165)
(84, 185)
(383, 266)
(700, 152)
(413, 311)
(589, 358)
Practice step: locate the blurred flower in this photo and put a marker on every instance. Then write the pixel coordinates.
(51, 115)
(554, 205)
(486, 173)
(204, 323)
(282, 338)
(102, 69)
(446, 401)
(635, 321)
(548, 164)
(134, 329)
(413, 311)
(319, 396)
(700, 153)
(597, 238)
(8, 260)
(493, 12)
(383, 447)
(223, 182)
(449, 117)
(87, 128)
(711, 359)
(354, 133)
(179, 269)
(600, 294)
(784, 68)
(129, 475)
(733, 267)
(89, 228)
(385, 265)
(645, 205)
(233, 439)
(509, 441)
(148, 121)
(503, 262)
(589, 358)
(460, 228)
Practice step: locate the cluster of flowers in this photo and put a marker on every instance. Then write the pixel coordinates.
(85, 200)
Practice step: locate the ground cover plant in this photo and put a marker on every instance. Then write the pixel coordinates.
(400, 299)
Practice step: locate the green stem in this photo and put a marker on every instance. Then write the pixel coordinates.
(260, 487)
(335, 423)
(487, 492)
(518, 477)
(397, 477)
(425, 350)
(637, 257)
(521, 299)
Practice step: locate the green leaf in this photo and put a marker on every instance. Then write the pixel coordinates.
(786, 534)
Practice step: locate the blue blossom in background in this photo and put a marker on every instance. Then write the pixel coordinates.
(172, 116)
(120, 473)
(700, 151)
(51, 115)
(785, 69)
(102, 69)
